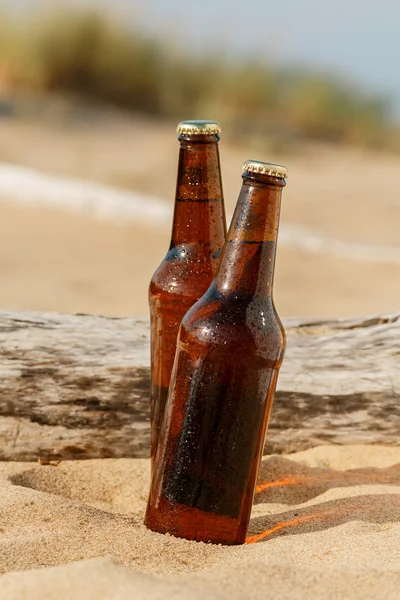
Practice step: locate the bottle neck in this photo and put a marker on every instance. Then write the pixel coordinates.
(248, 260)
(199, 215)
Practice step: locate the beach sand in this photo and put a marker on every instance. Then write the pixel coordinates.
(325, 524)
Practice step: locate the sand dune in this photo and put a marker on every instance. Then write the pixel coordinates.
(325, 523)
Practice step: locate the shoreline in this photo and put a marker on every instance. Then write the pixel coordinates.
(21, 186)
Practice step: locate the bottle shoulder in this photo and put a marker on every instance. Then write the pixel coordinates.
(239, 324)
(183, 274)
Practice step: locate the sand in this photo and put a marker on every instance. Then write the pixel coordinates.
(325, 524)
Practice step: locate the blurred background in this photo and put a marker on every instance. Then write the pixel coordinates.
(90, 95)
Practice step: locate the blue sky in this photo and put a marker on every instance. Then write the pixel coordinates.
(358, 38)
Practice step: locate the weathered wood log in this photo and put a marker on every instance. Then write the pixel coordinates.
(77, 386)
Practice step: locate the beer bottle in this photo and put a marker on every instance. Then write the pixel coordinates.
(230, 348)
(198, 236)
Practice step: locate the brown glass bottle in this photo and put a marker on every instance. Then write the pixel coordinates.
(198, 236)
(230, 348)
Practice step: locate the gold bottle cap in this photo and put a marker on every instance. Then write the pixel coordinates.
(257, 166)
(198, 128)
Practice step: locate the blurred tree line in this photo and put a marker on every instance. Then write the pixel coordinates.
(87, 54)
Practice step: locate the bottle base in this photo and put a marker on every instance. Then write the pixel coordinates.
(192, 524)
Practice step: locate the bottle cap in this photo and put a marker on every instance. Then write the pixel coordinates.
(198, 128)
(257, 166)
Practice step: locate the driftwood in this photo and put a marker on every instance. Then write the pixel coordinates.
(77, 386)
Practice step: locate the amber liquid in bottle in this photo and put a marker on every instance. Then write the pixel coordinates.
(198, 236)
(230, 349)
